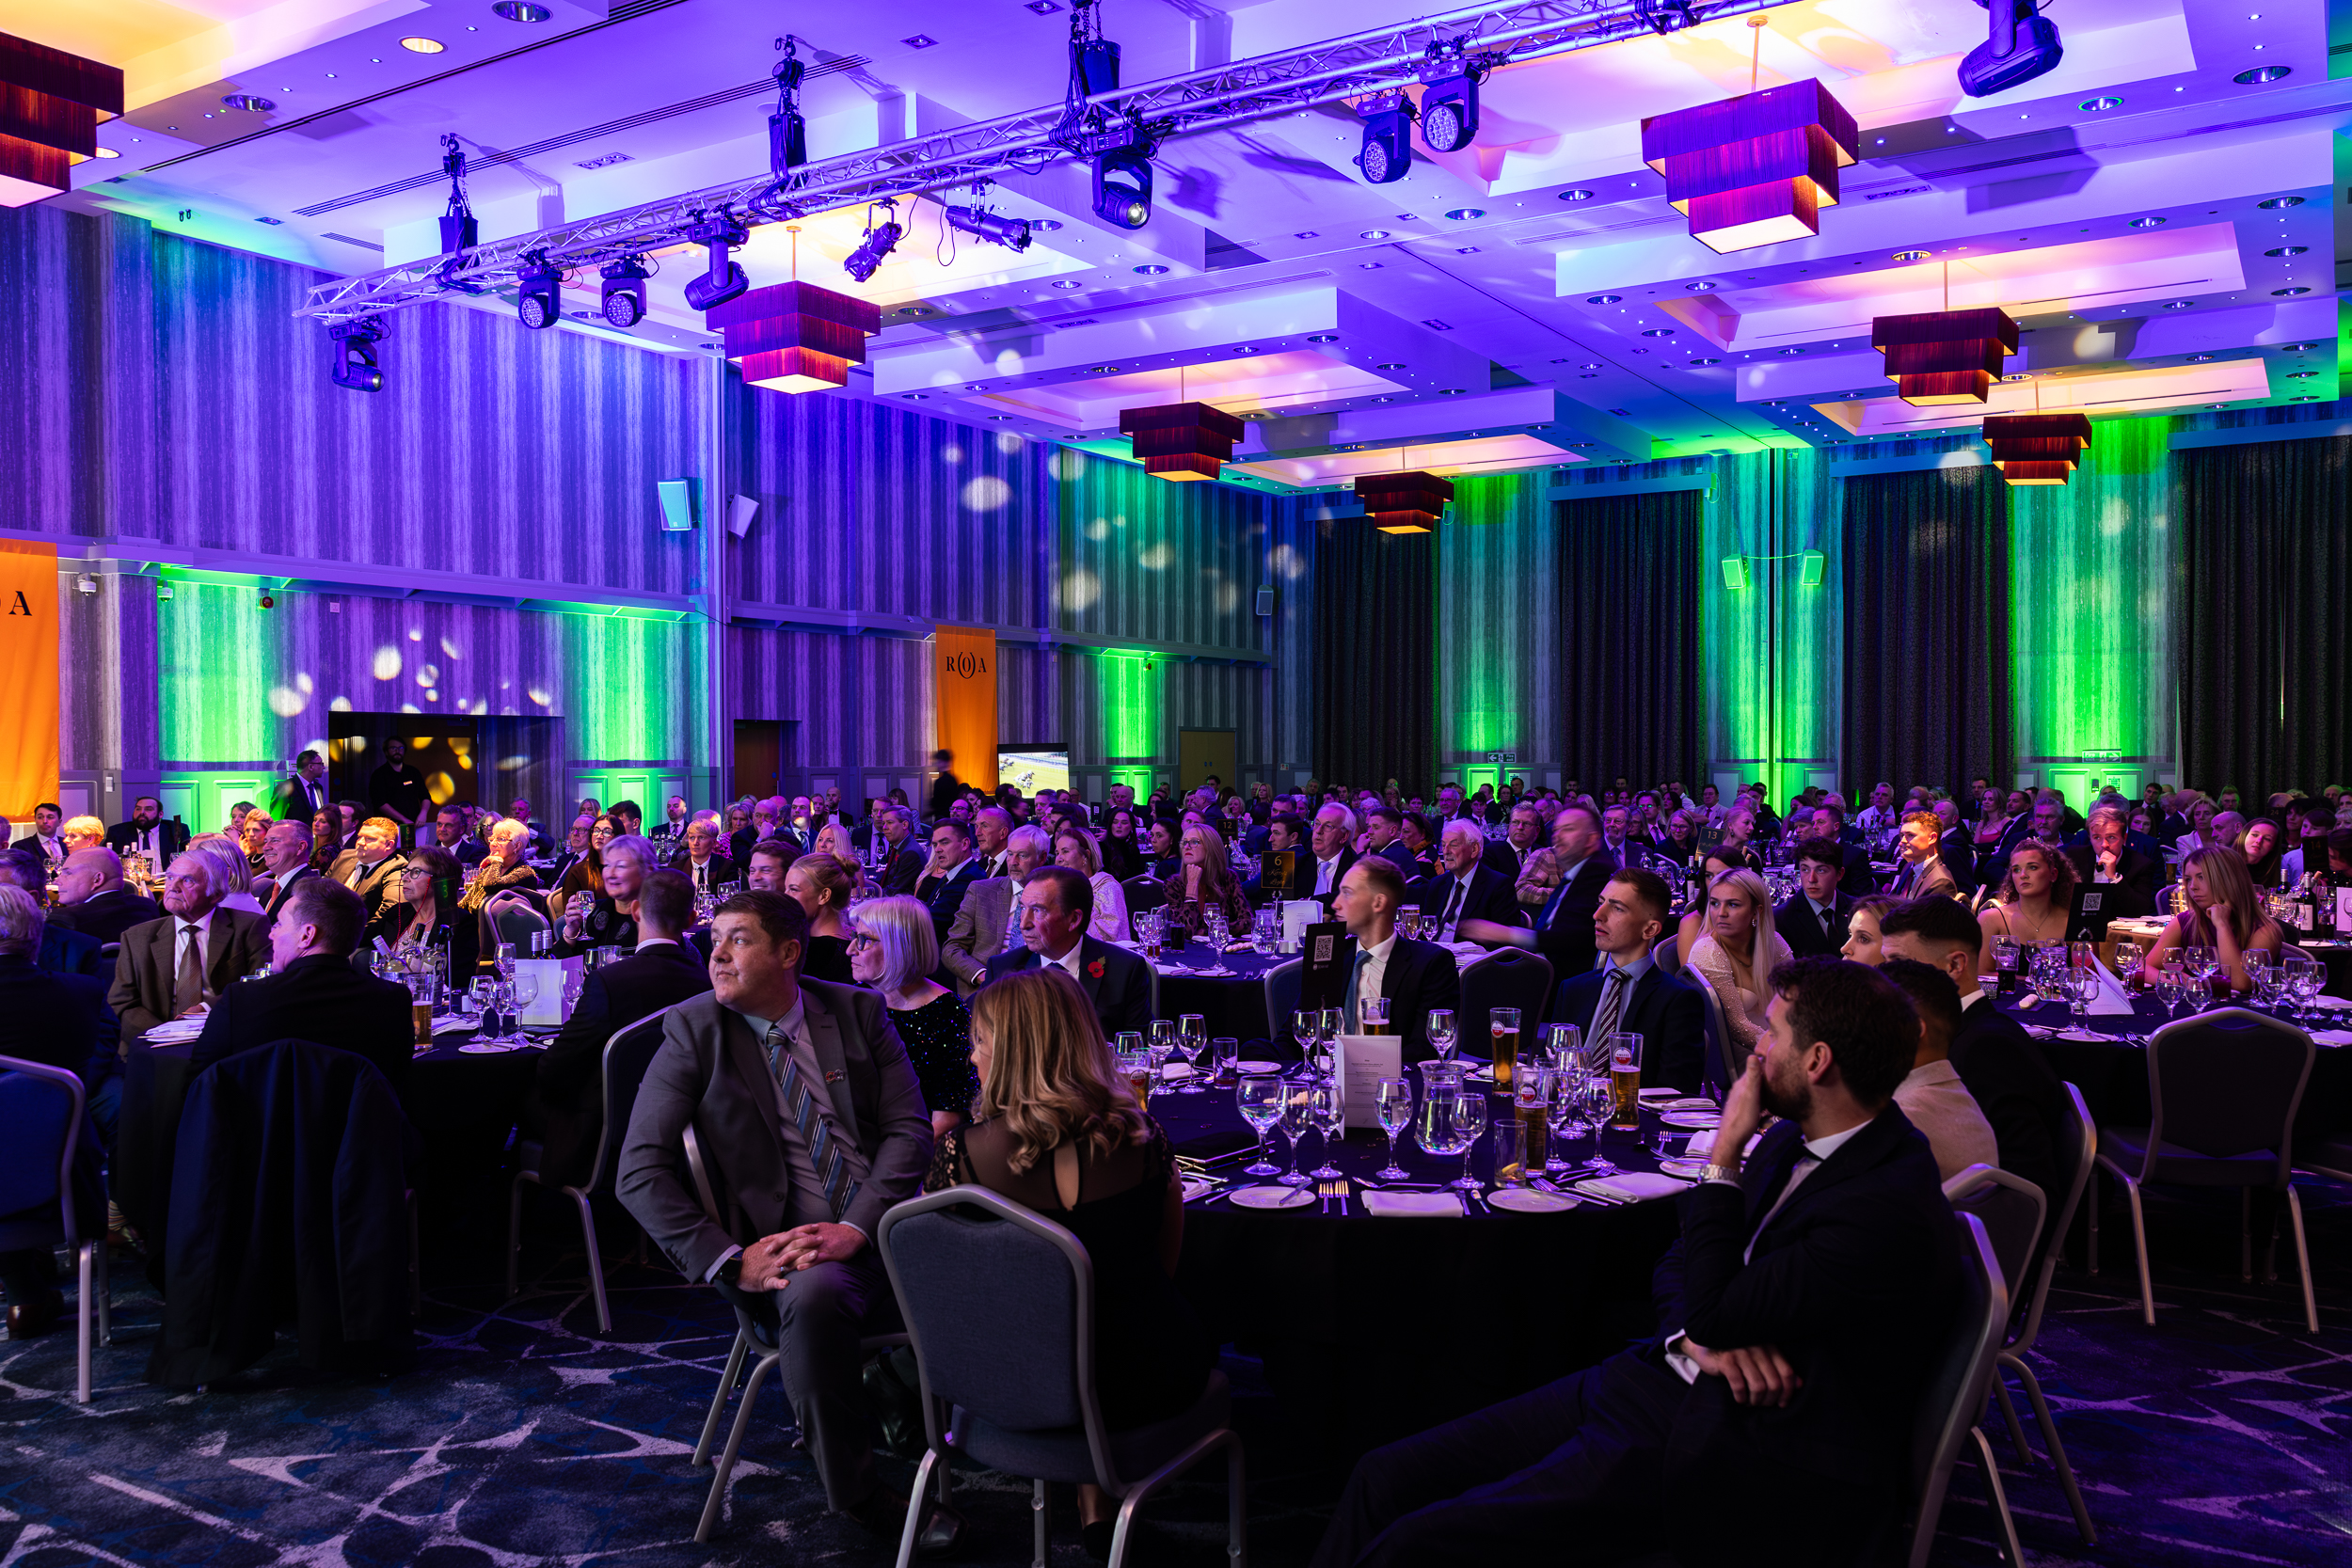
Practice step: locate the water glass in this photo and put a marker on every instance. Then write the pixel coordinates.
(1260, 1099)
(1469, 1123)
(1134, 1066)
(1394, 1100)
(1443, 1032)
(1224, 1052)
(1511, 1152)
(1297, 1117)
(1326, 1113)
(1192, 1037)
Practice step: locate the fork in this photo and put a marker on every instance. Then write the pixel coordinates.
(1339, 1190)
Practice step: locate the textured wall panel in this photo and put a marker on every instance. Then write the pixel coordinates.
(1774, 648)
(1146, 559)
(1498, 617)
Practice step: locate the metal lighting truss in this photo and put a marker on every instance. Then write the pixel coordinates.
(1386, 60)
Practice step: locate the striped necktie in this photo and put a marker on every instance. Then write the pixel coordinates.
(824, 1152)
(1612, 1005)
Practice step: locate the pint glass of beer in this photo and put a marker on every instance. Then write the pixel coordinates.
(1625, 1082)
(1503, 1023)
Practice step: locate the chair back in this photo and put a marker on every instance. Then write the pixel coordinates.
(1718, 1035)
(2011, 1209)
(109, 951)
(1506, 978)
(40, 1119)
(2077, 1153)
(1667, 956)
(2226, 1082)
(1957, 1383)
(1281, 998)
(627, 1055)
(1144, 893)
(509, 918)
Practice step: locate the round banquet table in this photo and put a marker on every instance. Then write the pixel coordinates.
(1372, 1328)
(1233, 1002)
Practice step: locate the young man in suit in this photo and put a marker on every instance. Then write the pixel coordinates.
(92, 900)
(1631, 991)
(1414, 976)
(803, 1192)
(168, 968)
(315, 995)
(1814, 919)
(1562, 932)
(1800, 1316)
(2110, 877)
(1463, 888)
(302, 794)
(44, 839)
(952, 870)
(1924, 874)
(372, 866)
(671, 829)
(564, 1111)
(1056, 904)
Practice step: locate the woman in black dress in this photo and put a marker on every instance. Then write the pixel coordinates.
(894, 948)
(819, 886)
(1122, 857)
(1056, 1131)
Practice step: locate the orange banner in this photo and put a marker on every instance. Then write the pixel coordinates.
(964, 664)
(28, 698)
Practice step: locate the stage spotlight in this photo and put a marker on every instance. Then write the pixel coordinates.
(1122, 188)
(1449, 99)
(538, 293)
(725, 279)
(356, 368)
(1388, 151)
(881, 240)
(2023, 44)
(1014, 233)
(624, 290)
(788, 131)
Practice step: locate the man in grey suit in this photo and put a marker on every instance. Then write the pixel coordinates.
(372, 866)
(168, 968)
(988, 921)
(811, 1125)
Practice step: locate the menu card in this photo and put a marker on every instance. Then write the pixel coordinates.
(546, 1008)
(1364, 1060)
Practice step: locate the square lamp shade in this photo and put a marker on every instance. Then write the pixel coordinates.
(795, 337)
(1752, 171)
(1181, 440)
(1944, 357)
(50, 106)
(2037, 448)
(1404, 503)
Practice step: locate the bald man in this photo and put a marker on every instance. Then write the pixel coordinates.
(93, 900)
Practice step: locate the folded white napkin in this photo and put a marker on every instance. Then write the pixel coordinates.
(1633, 1185)
(2112, 998)
(1703, 1141)
(176, 1033)
(1411, 1205)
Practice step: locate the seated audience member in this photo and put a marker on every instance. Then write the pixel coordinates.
(1864, 938)
(1734, 954)
(2224, 913)
(1522, 836)
(947, 875)
(1923, 872)
(1813, 920)
(2263, 846)
(1712, 865)
(1414, 976)
(62, 949)
(904, 864)
(1954, 847)
(503, 869)
(225, 849)
(576, 849)
(2004, 1070)
(172, 967)
(1121, 856)
(670, 830)
(822, 888)
(700, 861)
(92, 900)
(1203, 881)
(453, 834)
(894, 951)
(584, 873)
(1562, 931)
(629, 818)
(1074, 848)
(609, 919)
(1932, 1096)
(326, 843)
(429, 916)
(2035, 901)
(314, 994)
(2228, 830)
(1056, 905)
(988, 922)
(1055, 1128)
(1331, 844)
(55, 1019)
(286, 850)
(45, 840)
(370, 867)
(2114, 878)
(804, 1210)
(1827, 820)
(147, 833)
(1631, 990)
(834, 839)
(564, 1112)
(1463, 888)
(1417, 836)
(1801, 1317)
(1538, 879)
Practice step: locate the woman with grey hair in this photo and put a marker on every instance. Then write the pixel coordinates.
(227, 872)
(893, 949)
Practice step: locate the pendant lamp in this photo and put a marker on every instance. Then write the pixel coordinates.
(50, 106)
(1944, 357)
(2037, 448)
(1752, 171)
(1181, 440)
(795, 337)
(1405, 503)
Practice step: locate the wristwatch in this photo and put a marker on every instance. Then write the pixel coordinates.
(730, 1270)
(1720, 1173)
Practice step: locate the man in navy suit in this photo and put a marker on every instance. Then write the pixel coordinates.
(1631, 991)
(952, 870)
(1800, 1316)
(1814, 920)
(1414, 976)
(1562, 932)
(1463, 888)
(1056, 904)
(315, 995)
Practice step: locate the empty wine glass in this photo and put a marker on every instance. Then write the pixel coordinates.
(1469, 1122)
(1297, 1117)
(1162, 1044)
(1600, 1104)
(1327, 1111)
(1259, 1097)
(1303, 1024)
(524, 989)
(1443, 1032)
(1192, 1037)
(1395, 1102)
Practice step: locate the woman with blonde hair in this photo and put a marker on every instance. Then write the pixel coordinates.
(819, 886)
(1723, 857)
(1737, 954)
(1204, 880)
(503, 869)
(834, 839)
(1076, 848)
(893, 949)
(2224, 913)
(1057, 1130)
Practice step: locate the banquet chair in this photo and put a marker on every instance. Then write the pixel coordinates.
(1946, 1421)
(2333, 1161)
(1144, 893)
(1506, 978)
(511, 918)
(1000, 1310)
(627, 1055)
(1282, 1000)
(750, 1332)
(1717, 1037)
(44, 1116)
(2223, 1088)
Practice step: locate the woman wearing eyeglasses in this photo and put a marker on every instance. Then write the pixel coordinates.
(893, 948)
(1204, 880)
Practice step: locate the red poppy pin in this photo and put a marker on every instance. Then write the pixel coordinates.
(1095, 969)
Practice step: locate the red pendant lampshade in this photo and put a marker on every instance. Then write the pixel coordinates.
(1944, 357)
(1405, 503)
(50, 106)
(796, 337)
(1755, 169)
(1181, 440)
(2037, 448)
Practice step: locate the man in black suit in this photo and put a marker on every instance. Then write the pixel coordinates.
(315, 995)
(372, 866)
(1829, 822)
(92, 900)
(44, 840)
(1414, 976)
(1562, 932)
(1463, 888)
(564, 1112)
(1384, 827)
(1801, 1315)
(2110, 877)
(1055, 906)
(1998, 1062)
(952, 871)
(1813, 921)
(286, 857)
(170, 967)
(148, 834)
(803, 1192)
(671, 829)
(1633, 991)
(301, 795)
(1522, 838)
(451, 835)
(63, 949)
(396, 791)
(1956, 847)
(700, 863)
(1332, 840)
(903, 865)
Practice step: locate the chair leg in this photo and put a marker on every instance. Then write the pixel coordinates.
(1036, 1510)
(2139, 1242)
(915, 1506)
(1236, 1508)
(2058, 1450)
(2000, 1499)
(2008, 1413)
(515, 1236)
(1123, 1532)
(2302, 1260)
(2091, 1212)
(719, 1399)
(734, 1446)
(82, 1315)
(595, 1262)
(106, 1299)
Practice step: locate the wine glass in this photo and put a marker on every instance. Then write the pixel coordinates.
(524, 989)
(1395, 1105)
(1600, 1105)
(1329, 1028)
(1192, 1037)
(1297, 1117)
(1561, 1043)
(1560, 1110)
(1327, 1111)
(1435, 1128)
(1304, 1023)
(1260, 1097)
(1162, 1044)
(1469, 1123)
(1443, 1032)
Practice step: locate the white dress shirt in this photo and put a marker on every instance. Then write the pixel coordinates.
(203, 924)
(1940, 1107)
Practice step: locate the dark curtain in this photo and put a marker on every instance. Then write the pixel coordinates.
(1632, 699)
(1928, 683)
(1376, 661)
(2266, 698)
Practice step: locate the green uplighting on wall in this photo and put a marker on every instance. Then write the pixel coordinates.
(1735, 573)
(1485, 729)
(626, 681)
(216, 709)
(1131, 703)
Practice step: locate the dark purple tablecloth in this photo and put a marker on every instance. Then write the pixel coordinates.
(1232, 1005)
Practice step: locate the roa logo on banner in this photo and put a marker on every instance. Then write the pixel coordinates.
(967, 665)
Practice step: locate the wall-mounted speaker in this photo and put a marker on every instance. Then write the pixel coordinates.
(1265, 601)
(740, 514)
(681, 500)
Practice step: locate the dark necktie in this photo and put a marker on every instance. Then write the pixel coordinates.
(1453, 910)
(1612, 1005)
(188, 987)
(816, 1127)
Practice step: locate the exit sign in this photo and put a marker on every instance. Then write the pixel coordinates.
(1503, 759)
(2102, 756)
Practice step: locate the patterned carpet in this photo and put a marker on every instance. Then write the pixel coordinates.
(2224, 1434)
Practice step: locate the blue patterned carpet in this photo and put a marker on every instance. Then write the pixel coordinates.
(2222, 1435)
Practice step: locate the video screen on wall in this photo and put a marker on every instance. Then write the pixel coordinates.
(1030, 770)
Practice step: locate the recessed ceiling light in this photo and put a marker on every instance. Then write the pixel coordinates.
(1657, 332)
(911, 397)
(1373, 234)
(2202, 358)
(246, 101)
(1384, 400)
(2262, 74)
(2216, 405)
(1306, 234)
(1245, 348)
(1707, 361)
(1589, 365)
(1103, 369)
(2148, 223)
(1576, 196)
(999, 418)
(1909, 256)
(1452, 392)
(1151, 269)
(2099, 105)
(1467, 250)
(1389, 365)
(2278, 201)
(2298, 290)
(1463, 214)
(920, 41)
(1602, 299)
(1699, 288)
(2308, 397)
(2021, 375)
(2288, 250)
(2301, 376)
(1369, 267)
(520, 10)
(1068, 283)
(1792, 352)
(2296, 348)
(2180, 303)
(108, 152)
(423, 46)
(1322, 337)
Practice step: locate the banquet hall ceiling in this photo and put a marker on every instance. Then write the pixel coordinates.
(1469, 314)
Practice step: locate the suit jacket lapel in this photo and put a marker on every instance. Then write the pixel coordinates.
(217, 943)
(824, 1042)
(1088, 980)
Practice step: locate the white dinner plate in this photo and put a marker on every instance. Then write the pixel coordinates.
(1258, 1066)
(1692, 1118)
(1660, 1094)
(1687, 1169)
(1272, 1198)
(1527, 1200)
